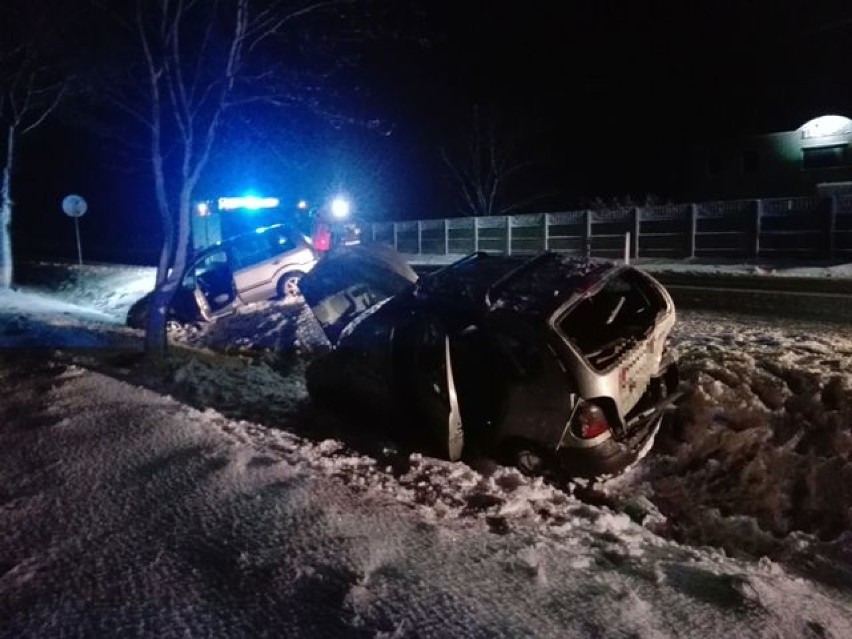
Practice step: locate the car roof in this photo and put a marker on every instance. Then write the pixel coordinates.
(221, 244)
(536, 285)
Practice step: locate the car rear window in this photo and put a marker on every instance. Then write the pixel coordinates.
(622, 313)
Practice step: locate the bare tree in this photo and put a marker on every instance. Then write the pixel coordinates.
(206, 64)
(488, 167)
(200, 61)
(29, 93)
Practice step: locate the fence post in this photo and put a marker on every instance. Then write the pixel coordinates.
(419, 237)
(475, 234)
(693, 229)
(546, 221)
(637, 219)
(395, 240)
(588, 236)
(831, 226)
(446, 237)
(508, 235)
(758, 213)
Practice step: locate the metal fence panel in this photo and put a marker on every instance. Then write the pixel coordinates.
(787, 206)
(773, 226)
(844, 205)
(727, 208)
(566, 217)
(495, 222)
(525, 221)
(664, 212)
(612, 215)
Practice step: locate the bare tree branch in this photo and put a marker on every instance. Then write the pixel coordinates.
(489, 166)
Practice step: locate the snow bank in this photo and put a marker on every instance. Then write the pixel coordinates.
(759, 459)
(758, 463)
(110, 289)
(126, 512)
(32, 320)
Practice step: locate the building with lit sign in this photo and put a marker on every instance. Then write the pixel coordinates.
(815, 158)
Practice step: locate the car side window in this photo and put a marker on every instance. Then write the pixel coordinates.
(212, 263)
(250, 250)
(278, 241)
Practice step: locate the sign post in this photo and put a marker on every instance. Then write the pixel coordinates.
(75, 207)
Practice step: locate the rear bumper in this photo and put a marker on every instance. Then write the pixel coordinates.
(614, 456)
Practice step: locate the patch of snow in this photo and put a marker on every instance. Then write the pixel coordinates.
(244, 512)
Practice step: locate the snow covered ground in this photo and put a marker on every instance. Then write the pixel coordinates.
(209, 497)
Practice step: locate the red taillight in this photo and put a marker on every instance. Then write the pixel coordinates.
(591, 422)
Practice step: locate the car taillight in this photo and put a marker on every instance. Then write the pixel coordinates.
(591, 422)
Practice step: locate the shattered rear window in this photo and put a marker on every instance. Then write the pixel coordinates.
(542, 286)
(623, 313)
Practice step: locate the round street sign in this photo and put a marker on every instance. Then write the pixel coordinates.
(74, 206)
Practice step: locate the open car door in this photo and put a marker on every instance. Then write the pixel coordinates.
(432, 388)
(351, 279)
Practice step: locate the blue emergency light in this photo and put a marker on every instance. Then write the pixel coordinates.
(251, 202)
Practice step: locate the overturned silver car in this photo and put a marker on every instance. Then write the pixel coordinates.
(555, 364)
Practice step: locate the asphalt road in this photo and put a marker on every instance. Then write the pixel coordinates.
(812, 298)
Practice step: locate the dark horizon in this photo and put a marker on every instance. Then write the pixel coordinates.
(603, 96)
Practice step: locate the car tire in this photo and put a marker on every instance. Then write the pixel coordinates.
(528, 457)
(137, 316)
(288, 285)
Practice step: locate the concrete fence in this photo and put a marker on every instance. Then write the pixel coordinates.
(809, 227)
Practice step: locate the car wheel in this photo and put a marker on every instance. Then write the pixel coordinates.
(526, 456)
(288, 285)
(137, 316)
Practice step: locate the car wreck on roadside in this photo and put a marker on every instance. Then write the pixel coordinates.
(265, 264)
(555, 364)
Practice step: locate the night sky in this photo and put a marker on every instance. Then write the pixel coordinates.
(604, 96)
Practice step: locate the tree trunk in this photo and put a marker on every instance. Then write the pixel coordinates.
(6, 263)
(156, 338)
(161, 299)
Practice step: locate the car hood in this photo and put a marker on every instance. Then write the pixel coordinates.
(352, 279)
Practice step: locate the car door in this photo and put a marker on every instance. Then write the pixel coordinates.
(424, 353)
(213, 283)
(256, 259)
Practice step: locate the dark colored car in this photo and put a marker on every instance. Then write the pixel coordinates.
(555, 364)
(266, 263)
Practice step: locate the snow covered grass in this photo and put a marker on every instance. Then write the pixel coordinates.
(109, 289)
(260, 504)
(125, 511)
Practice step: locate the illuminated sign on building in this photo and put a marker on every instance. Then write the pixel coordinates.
(826, 126)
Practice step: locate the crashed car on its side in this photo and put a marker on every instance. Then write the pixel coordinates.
(552, 363)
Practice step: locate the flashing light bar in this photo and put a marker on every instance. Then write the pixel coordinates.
(251, 202)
